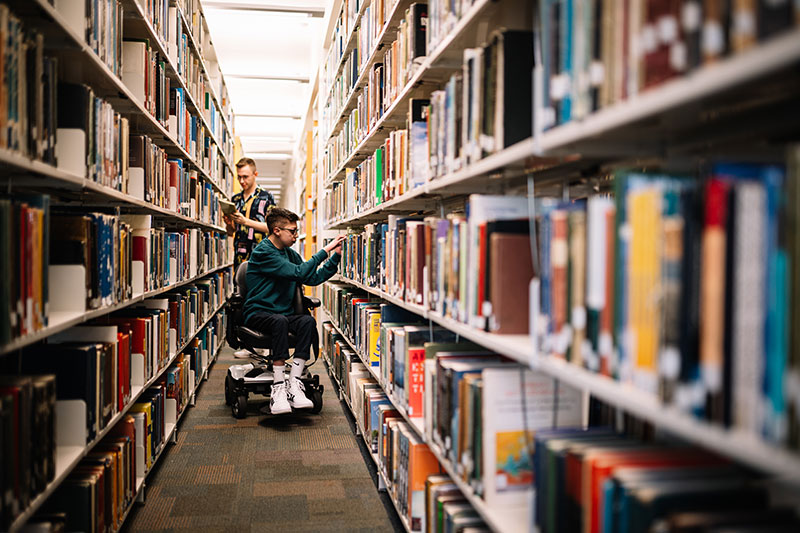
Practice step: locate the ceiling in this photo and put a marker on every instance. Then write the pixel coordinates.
(268, 51)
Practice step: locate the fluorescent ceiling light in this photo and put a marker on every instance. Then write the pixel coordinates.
(298, 79)
(301, 11)
(275, 115)
(269, 156)
(266, 138)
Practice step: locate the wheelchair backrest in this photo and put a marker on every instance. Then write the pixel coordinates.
(240, 295)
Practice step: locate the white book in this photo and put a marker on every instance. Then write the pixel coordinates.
(134, 68)
(173, 37)
(748, 303)
(506, 478)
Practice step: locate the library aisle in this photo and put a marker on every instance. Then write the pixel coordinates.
(261, 473)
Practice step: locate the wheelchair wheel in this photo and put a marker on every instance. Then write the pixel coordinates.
(239, 407)
(316, 399)
(228, 393)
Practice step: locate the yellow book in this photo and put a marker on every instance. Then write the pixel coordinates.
(374, 338)
(644, 278)
(147, 409)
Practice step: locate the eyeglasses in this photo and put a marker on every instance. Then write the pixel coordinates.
(292, 231)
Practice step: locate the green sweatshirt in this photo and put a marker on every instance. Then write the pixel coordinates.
(273, 274)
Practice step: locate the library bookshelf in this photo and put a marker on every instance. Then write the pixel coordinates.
(729, 105)
(196, 137)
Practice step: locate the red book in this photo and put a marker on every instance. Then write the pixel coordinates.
(416, 381)
(482, 266)
(124, 367)
(602, 466)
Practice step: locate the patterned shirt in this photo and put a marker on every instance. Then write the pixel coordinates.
(255, 207)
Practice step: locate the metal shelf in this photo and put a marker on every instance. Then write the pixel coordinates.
(432, 69)
(69, 457)
(90, 68)
(503, 519)
(61, 321)
(45, 176)
(141, 19)
(665, 114)
(204, 69)
(349, 46)
(140, 486)
(744, 447)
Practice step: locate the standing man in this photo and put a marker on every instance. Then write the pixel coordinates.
(248, 223)
(273, 272)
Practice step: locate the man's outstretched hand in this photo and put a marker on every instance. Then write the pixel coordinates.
(335, 246)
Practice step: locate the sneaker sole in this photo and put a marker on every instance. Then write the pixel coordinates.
(281, 412)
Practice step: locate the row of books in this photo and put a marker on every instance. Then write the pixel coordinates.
(595, 54)
(385, 82)
(145, 75)
(443, 16)
(447, 509)
(93, 139)
(707, 311)
(427, 499)
(102, 23)
(596, 480)
(62, 262)
(98, 502)
(191, 9)
(364, 186)
(699, 313)
(483, 109)
(167, 22)
(592, 480)
(85, 377)
(345, 21)
(27, 111)
(104, 31)
(188, 67)
(405, 460)
(27, 409)
(452, 265)
(395, 67)
(24, 255)
(428, 374)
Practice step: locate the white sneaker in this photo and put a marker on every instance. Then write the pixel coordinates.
(279, 400)
(242, 354)
(297, 394)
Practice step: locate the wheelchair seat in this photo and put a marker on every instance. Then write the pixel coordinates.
(240, 336)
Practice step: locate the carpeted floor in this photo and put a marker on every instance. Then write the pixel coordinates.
(262, 473)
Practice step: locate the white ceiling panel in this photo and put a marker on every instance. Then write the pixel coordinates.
(266, 126)
(259, 97)
(259, 43)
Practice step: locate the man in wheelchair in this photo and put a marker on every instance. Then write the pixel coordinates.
(273, 272)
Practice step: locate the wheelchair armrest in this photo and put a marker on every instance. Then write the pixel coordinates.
(311, 303)
(236, 299)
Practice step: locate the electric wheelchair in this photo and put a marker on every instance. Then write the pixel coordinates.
(257, 377)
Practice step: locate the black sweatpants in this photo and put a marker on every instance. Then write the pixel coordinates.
(279, 326)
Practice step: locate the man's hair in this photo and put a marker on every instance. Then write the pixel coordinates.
(276, 214)
(245, 161)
